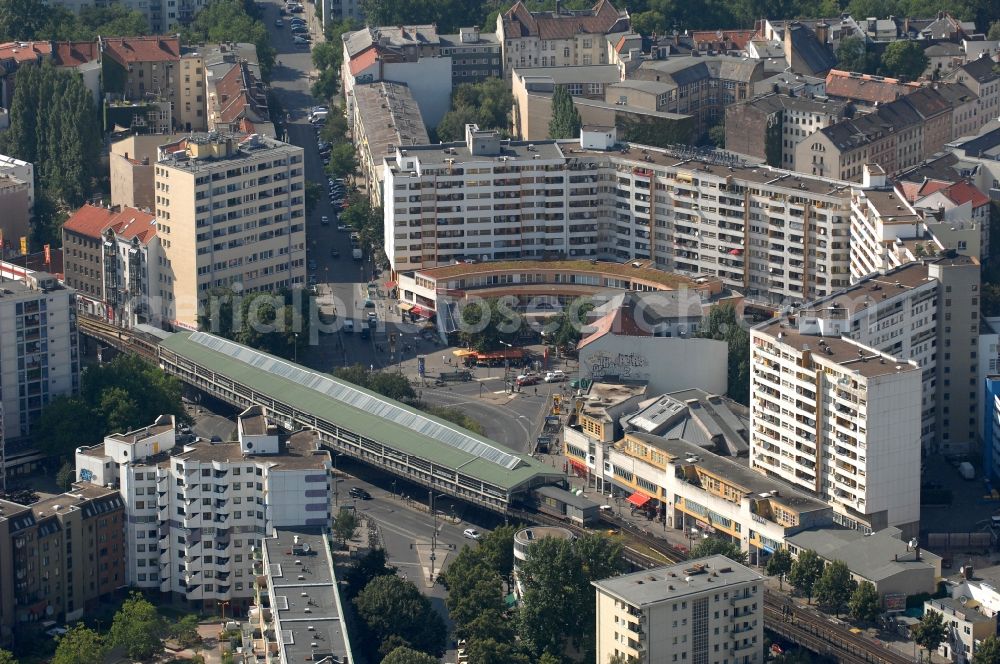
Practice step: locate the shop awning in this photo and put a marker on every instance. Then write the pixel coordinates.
(581, 467)
(390, 284)
(463, 352)
(405, 306)
(639, 499)
(420, 311)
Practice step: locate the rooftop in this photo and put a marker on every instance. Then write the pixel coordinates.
(691, 577)
(93, 221)
(957, 608)
(572, 74)
(864, 87)
(21, 52)
(619, 320)
(205, 150)
(846, 353)
(890, 206)
(601, 397)
(339, 403)
(643, 272)
(389, 117)
(305, 599)
(875, 557)
(301, 451)
(126, 50)
(602, 18)
(707, 420)
(163, 424)
(870, 291)
(754, 484)
(74, 54)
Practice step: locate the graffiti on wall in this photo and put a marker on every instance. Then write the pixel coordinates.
(623, 365)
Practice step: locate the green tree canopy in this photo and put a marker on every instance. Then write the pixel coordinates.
(185, 631)
(473, 588)
(489, 324)
(864, 604)
(806, 571)
(138, 628)
(834, 587)
(7, 657)
(345, 524)
(223, 21)
(853, 55)
(779, 564)
(717, 546)
(565, 328)
(404, 655)
(395, 613)
(994, 33)
(930, 631)
(369, 566)
(904, 59)
(497, 550)
(724, 324)
(80, 645)
(988, 651)
(486, 104)
(565, 122)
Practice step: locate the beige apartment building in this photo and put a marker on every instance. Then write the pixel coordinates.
(708, 610)
(132, 161)
(561, 38)
(231, 213)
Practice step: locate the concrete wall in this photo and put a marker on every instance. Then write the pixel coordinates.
(429, 80)
(15, 206)
(667, 363)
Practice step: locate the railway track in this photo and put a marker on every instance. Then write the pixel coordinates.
(117, 337)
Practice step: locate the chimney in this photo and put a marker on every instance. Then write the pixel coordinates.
(823, 32)
(558, 7)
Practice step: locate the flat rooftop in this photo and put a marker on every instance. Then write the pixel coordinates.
(458, 153)
(644, 272)
(967, 613)
(853, 356)
(870, 291)
(390, 117)
(133, 437)
(691, 577)
(891, 206)
(875, 557)
(754, 484)
(602, 396)
(301, 450)
(335, 402)
(305, 600)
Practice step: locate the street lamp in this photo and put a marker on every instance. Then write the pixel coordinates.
(394, 489)
(295, 348)
(506, 360)
(434, 532)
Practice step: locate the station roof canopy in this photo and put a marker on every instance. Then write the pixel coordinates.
(396, 425)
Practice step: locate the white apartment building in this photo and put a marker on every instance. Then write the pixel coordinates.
(839, 419)
(887, 231)
(524, 539)
(198, 510)
(769, 233)
(231, 213)
(22, 170)
(927, 312)
(39, 355)
(708, 610)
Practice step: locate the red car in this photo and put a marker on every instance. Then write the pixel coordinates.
(526, 380)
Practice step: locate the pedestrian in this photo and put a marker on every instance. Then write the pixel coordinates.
(536, 391)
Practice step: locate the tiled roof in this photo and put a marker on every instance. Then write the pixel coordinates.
(92, 221)
(239, 94)
(25, 51)
(601, 19)
(620, 321)
(963, 192)
(74, 54)
(928, 102)
(363, 61)
(862, 87)
(89, 220)
(816, 56)
(142, 49)
(981, 69)
(737, 38)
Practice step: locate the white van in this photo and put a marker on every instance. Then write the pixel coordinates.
(349, 325)
(318, 116)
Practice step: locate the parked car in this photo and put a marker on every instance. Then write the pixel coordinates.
(341, 227)
(324, 220)
(471, 533)
(300, 40)
(299, 29)
(358, 492)
(278, 23)
(556, 376)
(334, 253)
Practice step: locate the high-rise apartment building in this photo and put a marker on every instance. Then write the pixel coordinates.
(708, 610)
(231, 213)
(838, 418)
(768, 233)
(59, 556)
(197, 510)
(39, 357)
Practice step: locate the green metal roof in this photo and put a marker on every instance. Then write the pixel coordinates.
(397, 425)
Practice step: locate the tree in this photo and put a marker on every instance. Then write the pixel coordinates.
(994, 33)
(345, 525)
(564, 329)
(834, 587)
(395, 613)
(486, 104)
(473, 588)
(930, 631)
(497, 550)
(343, 161)
(779, 564)
(118, 409)
(138, 628)
(313, 195)
(6, 657)
(404, 655)
(717, 546)
(717, 135)
(904, 59)
(558, 603)
(852, 55)
(988, 651)
(487, 325)
(185, 631)
(565, 122)
(65, 476)
(222, 21)
(65, 424)
(864, 605)
(806, 570)
(491, 651)
(724, 324)
(79, 645)
(370, 566)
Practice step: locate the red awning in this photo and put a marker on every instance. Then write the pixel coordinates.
(417, 310)
(639, 499)
(582, 467)
(390, 284)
